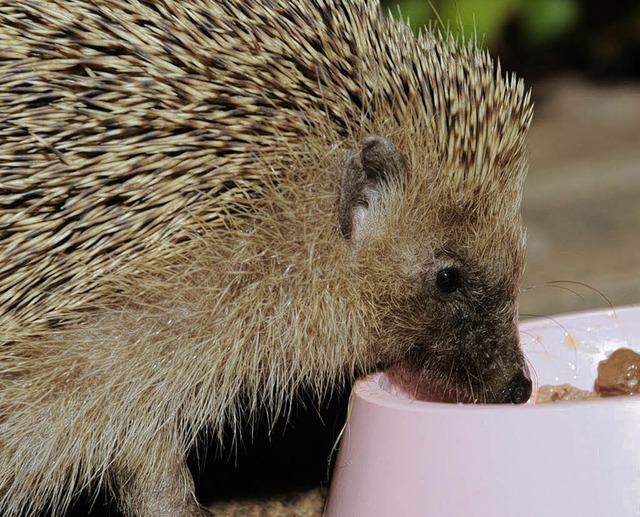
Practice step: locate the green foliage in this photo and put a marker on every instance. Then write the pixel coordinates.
(546, 20)
(538, 37)
(543, 20)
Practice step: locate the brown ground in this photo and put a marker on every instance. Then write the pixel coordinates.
(582, 196)
(582, 210)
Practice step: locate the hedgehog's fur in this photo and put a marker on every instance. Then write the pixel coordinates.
(170, 251)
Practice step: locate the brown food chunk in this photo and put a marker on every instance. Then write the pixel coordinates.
(563, 392)
(619, 374)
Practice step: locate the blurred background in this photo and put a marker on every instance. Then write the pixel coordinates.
(540, 38)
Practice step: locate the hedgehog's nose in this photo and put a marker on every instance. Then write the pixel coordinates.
(517, 390)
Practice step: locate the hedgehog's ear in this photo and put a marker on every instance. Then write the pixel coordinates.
(365, 174)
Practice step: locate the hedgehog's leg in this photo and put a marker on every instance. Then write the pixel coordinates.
(159, 483)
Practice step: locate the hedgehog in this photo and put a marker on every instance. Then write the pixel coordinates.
(209, 206)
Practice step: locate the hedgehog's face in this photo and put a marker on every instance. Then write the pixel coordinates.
(446, 294)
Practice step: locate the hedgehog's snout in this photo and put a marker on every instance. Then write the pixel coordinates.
(517, 390)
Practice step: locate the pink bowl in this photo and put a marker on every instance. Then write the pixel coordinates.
(402, 457)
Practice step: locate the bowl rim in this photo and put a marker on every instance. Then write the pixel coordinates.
(371, 388)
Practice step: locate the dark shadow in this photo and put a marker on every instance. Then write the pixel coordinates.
(293, 455)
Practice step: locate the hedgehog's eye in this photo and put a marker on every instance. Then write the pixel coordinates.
(448, 280)
(362, 202)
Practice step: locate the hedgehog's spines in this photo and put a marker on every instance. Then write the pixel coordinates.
(168, 166)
